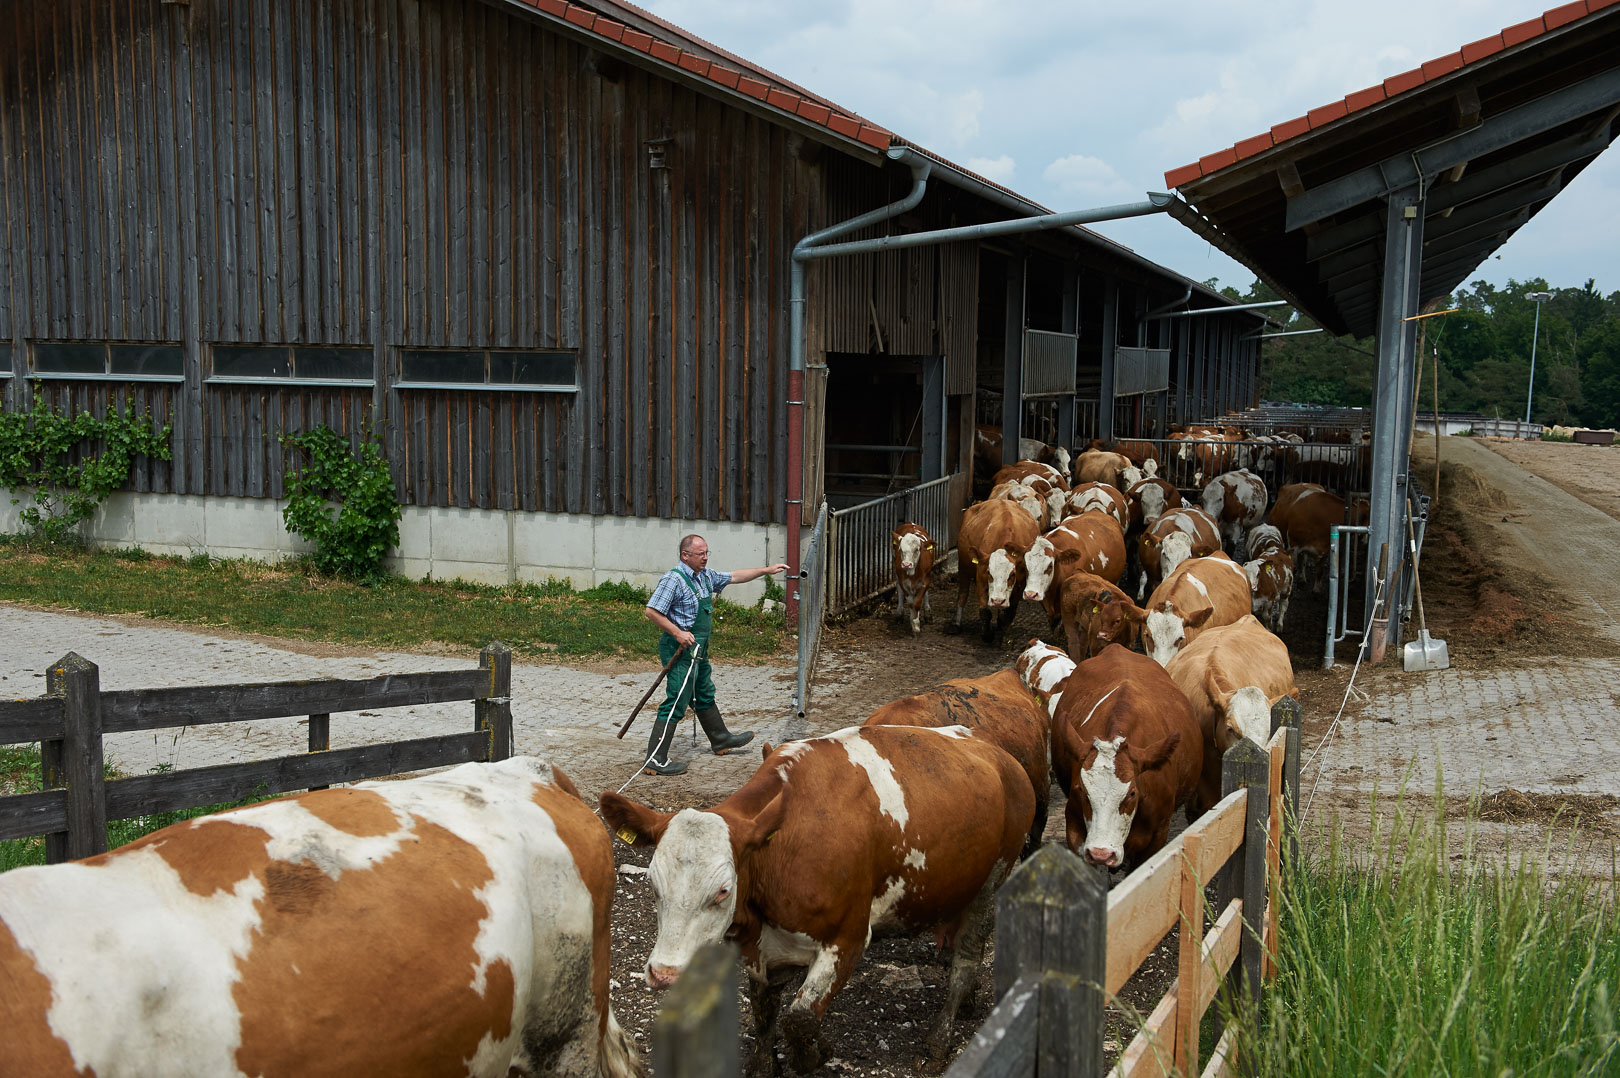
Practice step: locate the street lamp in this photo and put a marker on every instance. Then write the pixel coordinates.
(1538, 298)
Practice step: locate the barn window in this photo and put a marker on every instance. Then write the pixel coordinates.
(304, 364)
(109, 359)
(489, 368)
(5, 361)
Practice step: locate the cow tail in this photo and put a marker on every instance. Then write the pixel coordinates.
(616, 1056)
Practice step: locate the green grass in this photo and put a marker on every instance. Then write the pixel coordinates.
(1415, 956)
(537, 621)
(20, 774)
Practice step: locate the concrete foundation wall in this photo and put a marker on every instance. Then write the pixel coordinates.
(483, 545)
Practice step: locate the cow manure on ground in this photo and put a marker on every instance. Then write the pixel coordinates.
(1592, 813)
(1462, 483)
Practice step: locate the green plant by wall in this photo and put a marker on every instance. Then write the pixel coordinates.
(342, 501)
(37, 451)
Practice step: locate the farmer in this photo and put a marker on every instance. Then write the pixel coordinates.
(683, 606)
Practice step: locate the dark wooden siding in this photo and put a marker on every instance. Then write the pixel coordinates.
(396, 174)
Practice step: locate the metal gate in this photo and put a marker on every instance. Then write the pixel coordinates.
(812, 609)
(860, 558)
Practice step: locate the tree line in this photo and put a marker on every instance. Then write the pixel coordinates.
(1482, 350)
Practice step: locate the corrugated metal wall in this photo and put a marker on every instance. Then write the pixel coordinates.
(403, 174)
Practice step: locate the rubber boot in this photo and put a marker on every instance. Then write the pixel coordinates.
(659, 743)
(721, 740)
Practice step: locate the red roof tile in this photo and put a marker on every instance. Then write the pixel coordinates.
(558, 8)
(816, 114)
(875, 136)
(1439, 67)
(725, 76)
(753, 87)
(613, 31)
(580, 16)
(694, 63)
(1567, 13)
(666, 52)
(782, 99)
(638, 40)
(844, 125)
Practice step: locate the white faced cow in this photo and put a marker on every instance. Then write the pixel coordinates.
(913, 566)
(885, 826)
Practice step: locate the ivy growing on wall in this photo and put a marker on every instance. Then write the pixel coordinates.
(341, 500)
(64, 465)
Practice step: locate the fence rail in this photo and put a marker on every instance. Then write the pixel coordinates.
(1065, 943)
(71, 720)
(1189, 463)
(860, 558)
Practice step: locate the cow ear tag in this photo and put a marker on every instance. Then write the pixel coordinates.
(627, 836)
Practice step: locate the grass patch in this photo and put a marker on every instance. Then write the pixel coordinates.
(1413, 955)
(20, 774)
(290, 600)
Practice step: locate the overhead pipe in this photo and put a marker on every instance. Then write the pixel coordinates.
(1224, 310)
(1172, 305)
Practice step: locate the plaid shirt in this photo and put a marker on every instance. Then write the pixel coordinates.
(673, 596)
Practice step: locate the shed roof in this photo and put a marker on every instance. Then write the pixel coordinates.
(1488, 134)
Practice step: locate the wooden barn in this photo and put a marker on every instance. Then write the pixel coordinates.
(545, 253)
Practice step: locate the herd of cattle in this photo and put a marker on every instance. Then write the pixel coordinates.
(459, 923)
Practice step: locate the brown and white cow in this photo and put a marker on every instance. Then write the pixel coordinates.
(451, 924)
(1236, 501)
(1171, 539)
(1304, 515)
(913, 565)
(1127, 749)
(990, 548)
(1200, 594)
(1101, 466)
(1095, 614)
(1092, 543)
(1022, 469)
(998, 708)
(1271, 584)
(1088, 496)
(1025, 498)
(882, 827)
(1232, 675)
(1149, 500)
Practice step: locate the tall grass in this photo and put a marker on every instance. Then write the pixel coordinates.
(1417, 955)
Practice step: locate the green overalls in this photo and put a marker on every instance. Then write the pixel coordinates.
(685, 687)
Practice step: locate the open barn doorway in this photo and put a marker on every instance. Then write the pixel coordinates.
(886, 419)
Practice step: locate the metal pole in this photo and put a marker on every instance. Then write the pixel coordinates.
(1534, 334)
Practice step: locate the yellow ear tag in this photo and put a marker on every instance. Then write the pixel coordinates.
(628, 836)
(975, 561)
(1096, 610)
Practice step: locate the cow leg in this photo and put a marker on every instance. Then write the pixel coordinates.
(967, 952)
(985, 632)
(801, 1026)
(765, 1005)
(1279, 609)
(1038, 827)
(962, 585)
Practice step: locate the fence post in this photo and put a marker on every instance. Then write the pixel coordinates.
(492, 713)
(1052, 921)
(76, 760)
(320, 736)
(1289, 714)
(1248, 765)
(695, 1033)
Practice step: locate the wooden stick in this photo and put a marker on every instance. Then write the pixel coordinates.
(656, 682)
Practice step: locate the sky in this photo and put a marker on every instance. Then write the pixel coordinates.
(1081, 104)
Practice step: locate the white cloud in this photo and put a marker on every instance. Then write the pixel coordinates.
(996, 169)
(1083, 176)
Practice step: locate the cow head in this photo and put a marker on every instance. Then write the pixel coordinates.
(1044, 669)
(694, 872)
(1264, 537)
(1001, 567)
(1175, 549)
(1109, 796)
(1112, 618)
(1130, 475)
(1040, 565)
(1164, 632)
(1246, 711)
(1153, 500)
(1057, 504)
(1062, 460)
(909, 547)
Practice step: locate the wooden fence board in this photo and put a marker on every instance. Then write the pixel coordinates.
(30, 720)
(1140, 911)
(695, 1035)
(1220, 832)
(228, 782)
(1151, 1052)
(1217, 953)
(199, 705)
(27, 815)
(1004, 1046)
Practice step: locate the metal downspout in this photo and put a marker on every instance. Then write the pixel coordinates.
(797, 299)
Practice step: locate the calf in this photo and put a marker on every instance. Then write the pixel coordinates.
(990, 549)
(1127, 749)
(1271, 585)
(1262, 539)
(1232, 675)
(1236, 501)
(999, 709)
(1096, 614)
(1101, 466)
(880, 827)
(913, 565)
(451, 924)
(1200, 594)
(1149, 500)
(1089, 543)
(1173, 538)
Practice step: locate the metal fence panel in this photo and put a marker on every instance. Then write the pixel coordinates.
(812, 609)
(1189, 463)
(859, 555)
(1141, 370)
(1050, 361)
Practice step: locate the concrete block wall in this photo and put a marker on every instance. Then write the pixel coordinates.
(482, 545)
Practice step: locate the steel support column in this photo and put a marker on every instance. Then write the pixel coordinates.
(1110, 351)
(1392, 404)
(1012, 361)
(1070, 324)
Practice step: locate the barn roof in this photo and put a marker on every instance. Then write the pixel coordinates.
(1488, 135)
(689, 58)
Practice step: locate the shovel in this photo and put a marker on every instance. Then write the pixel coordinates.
(1424, 653)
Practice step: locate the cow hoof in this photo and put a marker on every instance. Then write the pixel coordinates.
(801, 1033)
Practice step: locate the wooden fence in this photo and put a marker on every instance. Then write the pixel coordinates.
(74, 715)
(1065, 944)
